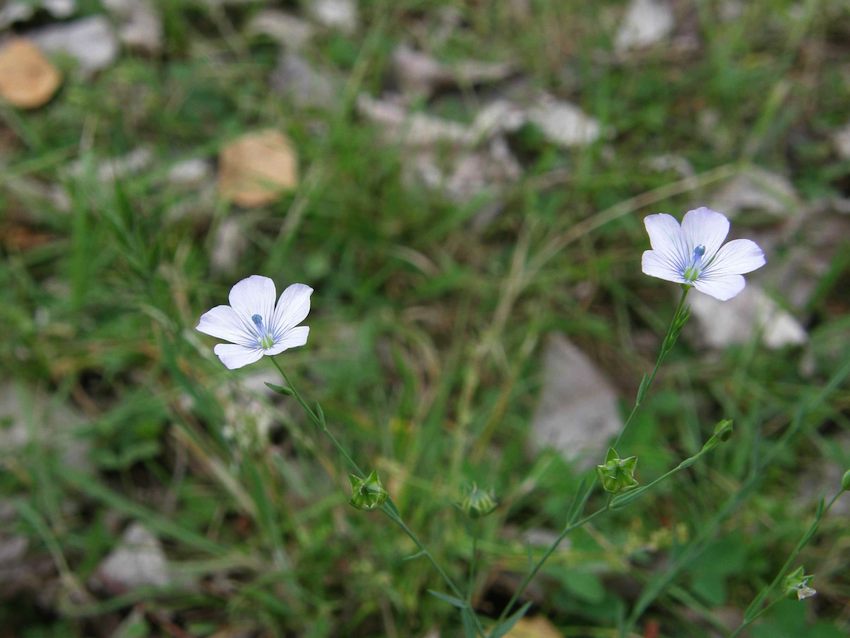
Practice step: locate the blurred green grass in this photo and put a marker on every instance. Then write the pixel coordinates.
(424, 332)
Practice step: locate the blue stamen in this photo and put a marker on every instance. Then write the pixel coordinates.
(265, 340)
(692, 272)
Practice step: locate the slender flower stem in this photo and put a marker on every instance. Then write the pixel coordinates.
(319, 419)
(389, 508)
(673, 330)
(473, 564)
(549, 551)
(755, 610)
(680, 316)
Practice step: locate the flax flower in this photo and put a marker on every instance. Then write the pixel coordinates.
(254, 325)
(694, 253)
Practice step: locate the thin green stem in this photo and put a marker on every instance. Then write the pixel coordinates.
(391, 511)
(473, 564)
(676, 323)
(670, 338)
(319, 419)
(549, 551)
(755, 609)
(389, 508)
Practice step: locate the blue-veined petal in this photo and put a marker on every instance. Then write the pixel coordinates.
(665, 237)
(291, 339)
(223, 322)
(704, 227)
(737, 257)
(722, 287)
(235, 356)
(656, 264)
(254, 295)
(292, 308)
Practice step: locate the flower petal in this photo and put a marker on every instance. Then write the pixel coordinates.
(223, 322)
(254, 295)
(657, 264)
(737, 257)
(291, 339)
(665, 237)
(292, 308)
(235, 356)
(706, 227)
(722, 287)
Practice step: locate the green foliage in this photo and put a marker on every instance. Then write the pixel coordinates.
(99, 297)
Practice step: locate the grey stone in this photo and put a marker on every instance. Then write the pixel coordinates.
(90, 41)
(28, 416)
(137, 561)
(645, 23)
(577, 413)
(298, 80)
(752, 313)
(288, 30)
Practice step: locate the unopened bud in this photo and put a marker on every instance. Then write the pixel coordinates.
(797, 585)
(722, 433)
(478, 502)
(369, 493)
(617, 475)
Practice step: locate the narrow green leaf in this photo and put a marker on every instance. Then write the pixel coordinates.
(418, 554)
(320, 413)
(508, 623)
(452, 600)
(279, 389)
(469, 630)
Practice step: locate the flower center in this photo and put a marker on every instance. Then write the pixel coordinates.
(265, 340)
(692, 271)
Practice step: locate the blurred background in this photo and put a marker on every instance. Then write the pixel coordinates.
(463, 183)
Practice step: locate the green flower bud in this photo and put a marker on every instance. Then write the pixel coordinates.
(477, 502)
(617, 475)
(797, 585)
(721, 434)
(845, 481)
(369, 493)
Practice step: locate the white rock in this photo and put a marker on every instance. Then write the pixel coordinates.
(15, 12)
(417, 72)
(190, 173)
(671, 162)
(335, 14)
(90, 41)
(841, 139)
(60, 8)
(289, 31)
(27, 417)
(23, 10)
(297, 79)
(114, 168)
(415, 129)
(140, 25)
(229, 245)
(483, 171)
(563, 123)
(496, 118)
(645, 23)
(138, 561)
(741, 319)
(757, 189)
(577, 413)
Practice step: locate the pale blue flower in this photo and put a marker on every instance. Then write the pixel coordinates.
(694, 253)
(254, 325)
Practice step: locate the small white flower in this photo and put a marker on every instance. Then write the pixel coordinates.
(254, 325)
(694, 254)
